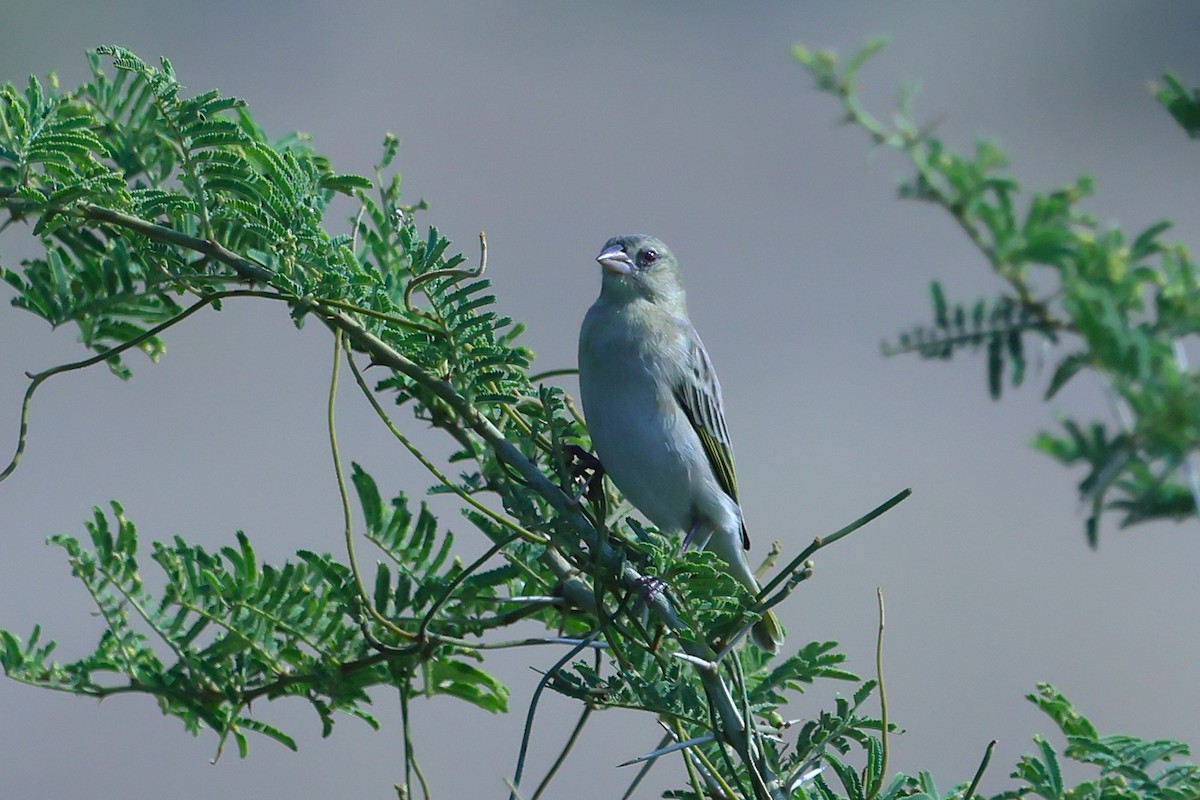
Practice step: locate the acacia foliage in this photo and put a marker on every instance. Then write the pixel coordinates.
(1117, 305)
(152, 206)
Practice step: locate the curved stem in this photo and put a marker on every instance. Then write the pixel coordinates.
(553, 373)
(37, 379)
(364, 598)
(393, 318)
(410, 756)
(467, 419)
(499, 519)
(161, 233)
(710, 774)
(533, 702)
(873, 791)
(562, 756)
(983, 765)
(458, 579)
(453, 272)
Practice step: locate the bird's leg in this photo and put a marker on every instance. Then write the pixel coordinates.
(650, 587)
(691, 534)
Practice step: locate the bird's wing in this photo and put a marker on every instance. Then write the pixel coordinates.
(699, 395)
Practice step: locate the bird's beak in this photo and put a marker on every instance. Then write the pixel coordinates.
(615, 260)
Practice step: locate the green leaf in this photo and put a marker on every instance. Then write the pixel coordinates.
(1057, 707)
(1068, 368)
(995, 365)
(270, 731)
(868, 51)
(383, 588)
(1016, 355)
(368, 496)
(346, 184)
(1050, 762)
(1146, 243)
(1182, 104)
(468, 683)
(939, 305)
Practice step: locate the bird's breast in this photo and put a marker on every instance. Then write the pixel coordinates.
(644, 441)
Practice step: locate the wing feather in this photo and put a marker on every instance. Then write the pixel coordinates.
(699, 395)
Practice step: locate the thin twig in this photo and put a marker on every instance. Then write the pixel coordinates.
(37, 379)
(466, 418)
(976, 337)
(820, 542)
(798, 578)
(362, 209)
(768, 562)
(515, 793)
(410, 754)
(645, 770)
(553, 373)
(710, 772)
(382, 315)
(161, 233)
(574, 409)
(983, 765)
(562, 756)
(224, 737)
(499, 519)
(753, 741)
(724, 737)
(347, 517)
(883, 706)
(408, 748)
(453, 272)
(458, 579)
(533, 702)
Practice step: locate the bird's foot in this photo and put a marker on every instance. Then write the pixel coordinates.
(650, 586)
(585, 468)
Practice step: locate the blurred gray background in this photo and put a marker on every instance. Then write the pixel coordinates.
(554, 126)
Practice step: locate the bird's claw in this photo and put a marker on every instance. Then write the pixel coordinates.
(651, 586)
(581, 463)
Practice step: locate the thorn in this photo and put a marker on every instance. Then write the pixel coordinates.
(671, 748)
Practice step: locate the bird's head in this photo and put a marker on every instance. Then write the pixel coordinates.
(640, 267)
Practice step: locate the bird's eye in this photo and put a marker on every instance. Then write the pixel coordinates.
(647, 257)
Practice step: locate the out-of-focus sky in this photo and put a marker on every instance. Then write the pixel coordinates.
(554, 126)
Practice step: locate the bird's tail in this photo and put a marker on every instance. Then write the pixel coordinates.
(768, 633)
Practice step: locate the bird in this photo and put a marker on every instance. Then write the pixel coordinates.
(654, 409)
